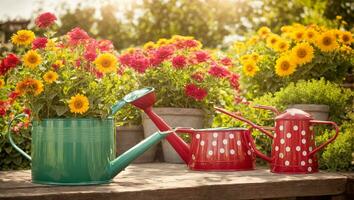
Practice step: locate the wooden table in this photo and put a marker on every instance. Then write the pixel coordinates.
(175, 181)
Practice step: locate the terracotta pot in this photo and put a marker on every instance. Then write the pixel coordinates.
(174, 117)
(318, 111)
(127, 137)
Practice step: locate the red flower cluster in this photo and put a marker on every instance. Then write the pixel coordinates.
(198, 76)
(201, 56)
(77, 36)
(234, 78)
(185, 44)
(136, 60)
(218, 71)
(45, 20)
(4, 106)
(9, 62)
(226, 61)
(39, 43)
(195, 92)
(179, 61)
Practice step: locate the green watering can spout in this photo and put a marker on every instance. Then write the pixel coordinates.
(121, 162)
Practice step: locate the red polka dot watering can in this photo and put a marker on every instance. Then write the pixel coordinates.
(217, 149)
(293, 148)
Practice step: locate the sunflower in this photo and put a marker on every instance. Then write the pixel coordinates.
(2, 83)
(263, 31)
(302, 53)
(50, 77)
(298, 35)
(272, 40)
(282, 46)
(106, 62)
(255, 57)
(310, 35)
(149, 45)
(79, 104)
(284, 66)
(245, 58)
(327, 42)
(32, 59)
(29, 86)
(346, 37)
(250, 68)
(58, 64)
(23, 37)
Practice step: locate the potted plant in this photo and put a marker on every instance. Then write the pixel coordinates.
(188, 80)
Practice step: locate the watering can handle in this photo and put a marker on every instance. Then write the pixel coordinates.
(184, 130)
(118, 105)
(246, 121)
(10, 137)
(327, 142)
(270, 108)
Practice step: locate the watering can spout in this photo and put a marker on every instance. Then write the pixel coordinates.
(121, 162)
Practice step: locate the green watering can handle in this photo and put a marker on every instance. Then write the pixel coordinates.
(118, 105)
(10, 137)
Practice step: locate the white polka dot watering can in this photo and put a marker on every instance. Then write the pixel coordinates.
(218, 149)
(293, 148)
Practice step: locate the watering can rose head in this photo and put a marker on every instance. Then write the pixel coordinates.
(72, 75)
(194, 75)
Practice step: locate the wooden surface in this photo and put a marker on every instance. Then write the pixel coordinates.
(175, 181)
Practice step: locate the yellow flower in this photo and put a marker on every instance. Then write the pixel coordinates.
(286, 29)
(263, 31)
(253, 40)
(284, 66)
(327, 41)
(79, 104)
(245, 58)
(250, 68)
(2, 83)
(149, 45)
(302, 53)
(162, 42)
(58, 63)
(310, 35)
(23, 37)
(346, 37)
(272, 40)
(282, 46)
(176, 38)
(298, 35)
(51, 45)
(29, 86)
(106, 62)
(255, 57)
(32, 59)
(50, 77)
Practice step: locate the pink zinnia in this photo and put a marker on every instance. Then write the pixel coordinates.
(39, 43)
(226, 61)
(201, 56)
(179, 61)
(105, 45)
(164, 52)
(9, 62)
(45, 20)
(218, 71)
(198, 76)
(234, 78)
(77, 36)
(140, 63)
(195, 92)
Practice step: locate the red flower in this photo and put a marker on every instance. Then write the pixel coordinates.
(179, 61)
(226, 61)
(10, 61)
(198, 76)
(140, 63)
(77, 36)
(4, 106)
(201, 56)
(195, 92)
(218, 71)
(90, 55)
(164, 52)
(105, 45)
(234, 81)
(14, 95)
(45, 20)
(39, 43)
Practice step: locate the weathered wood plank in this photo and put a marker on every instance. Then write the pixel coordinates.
(171, 181)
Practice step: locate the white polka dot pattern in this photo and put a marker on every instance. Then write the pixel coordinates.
(276, 148)
(281, 127)
(287, 163)
(224, 141)
(202, 143)
(282, 141)
(238, 142)
(197, 136)
(288, 135)
(303, 141)
(298, 148)
(295, 128)
(222, 150)
(215, 135)
(303, 132)
(213, 143)
(304, 153)
(231, 136)
(210, 153)
(302, 163)
(287, 149)
(232, 152)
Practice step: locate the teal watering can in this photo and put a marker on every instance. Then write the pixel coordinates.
(74, 151)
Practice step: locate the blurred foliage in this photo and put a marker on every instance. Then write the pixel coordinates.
(210, 21)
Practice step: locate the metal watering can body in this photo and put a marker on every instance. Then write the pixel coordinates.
(220, 149)
(293, 146)
(75, 151)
